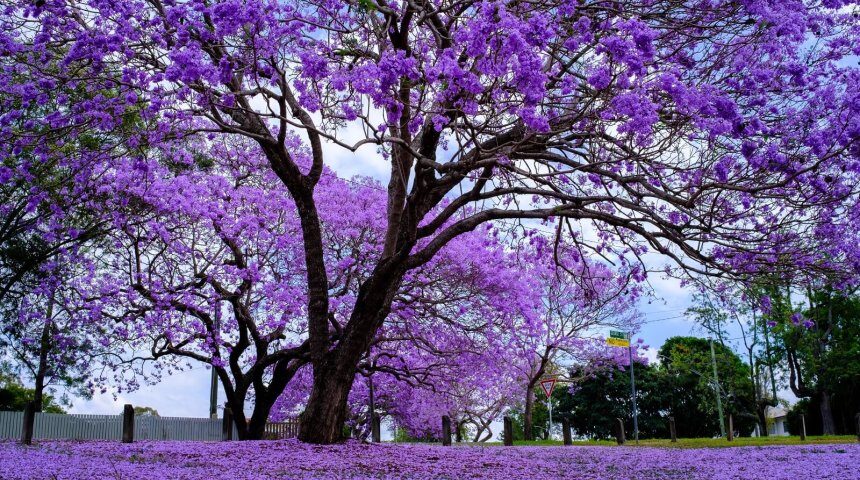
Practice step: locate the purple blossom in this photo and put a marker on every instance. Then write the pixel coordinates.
(765, 304)
(352, 460)
(797, 318)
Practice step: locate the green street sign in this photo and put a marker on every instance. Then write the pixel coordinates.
(618, 334)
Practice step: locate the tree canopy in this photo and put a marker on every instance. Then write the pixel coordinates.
(721, 135)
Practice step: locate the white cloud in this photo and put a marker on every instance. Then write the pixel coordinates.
(184, 394)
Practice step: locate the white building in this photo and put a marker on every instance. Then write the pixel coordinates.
(777, 425)
(776, 421)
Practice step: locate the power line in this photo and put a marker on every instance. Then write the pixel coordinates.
(657, 320)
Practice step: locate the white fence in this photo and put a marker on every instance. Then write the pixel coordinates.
(55, 426)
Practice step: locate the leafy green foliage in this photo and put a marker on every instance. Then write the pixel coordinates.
(687, 363)
(681, 386)
(600, 399)
(821, 351)
(145, 412)
(14, 397)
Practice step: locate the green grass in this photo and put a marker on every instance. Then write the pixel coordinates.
(702, 442)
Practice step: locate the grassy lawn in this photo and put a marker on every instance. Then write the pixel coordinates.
(706, 442)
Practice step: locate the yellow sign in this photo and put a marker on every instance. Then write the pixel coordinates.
(618, 342)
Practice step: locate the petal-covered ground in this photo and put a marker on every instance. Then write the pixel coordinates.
(290, 459)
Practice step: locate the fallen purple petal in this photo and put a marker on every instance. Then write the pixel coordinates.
(64, 460)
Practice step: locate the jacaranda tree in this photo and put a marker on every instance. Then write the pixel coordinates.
(722, 134)
(575, 297)
(216, 277)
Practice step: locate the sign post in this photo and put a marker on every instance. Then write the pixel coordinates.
(633, 393)
(548, 385)
(622, 339)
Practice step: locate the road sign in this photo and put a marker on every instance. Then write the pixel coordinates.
(618, 342)
(547, 386)
(618, 334)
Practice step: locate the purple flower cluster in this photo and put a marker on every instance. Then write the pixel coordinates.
(292, 459)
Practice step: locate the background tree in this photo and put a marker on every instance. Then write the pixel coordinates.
(14, 397)
(687, 362)
(52, 195)
(145, 411)
(48, 339)
(820, 347)
(739, 309)
(679, 386)
(576, 296)
(593, 403)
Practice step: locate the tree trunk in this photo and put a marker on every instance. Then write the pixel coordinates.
(828, 426)
(42, 369)
(528, 422)
(249, 429)
(480, 428)
(44, 349)
(761, 412)
(259, 418)
(236, 402)
(237, 407)
(264, 396)
(323, 418)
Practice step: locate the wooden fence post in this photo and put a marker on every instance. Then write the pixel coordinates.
(508, 432)
(446, 431)
(374, 429)
(227, 425)
(672, 432)
(565, 430)
(127, 423)
(730, 435)
(29, 421)
(802, 427)
(619, 431)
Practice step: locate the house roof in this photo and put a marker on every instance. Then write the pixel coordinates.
(776, 412)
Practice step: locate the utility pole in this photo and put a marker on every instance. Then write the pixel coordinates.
(213, 390)
(717, 389)
(633, 389)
